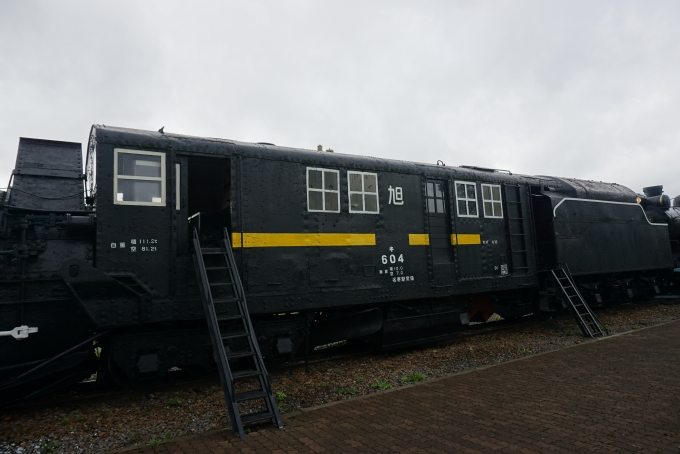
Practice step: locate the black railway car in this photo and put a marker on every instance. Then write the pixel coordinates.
(329, 247)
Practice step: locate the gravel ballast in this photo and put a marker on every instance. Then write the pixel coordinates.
(153, 418)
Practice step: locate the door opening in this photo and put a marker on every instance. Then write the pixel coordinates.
(440, 233)
(209, 198)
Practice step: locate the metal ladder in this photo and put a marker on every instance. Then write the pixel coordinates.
(516, 233)
(585, 318)
(236, 350)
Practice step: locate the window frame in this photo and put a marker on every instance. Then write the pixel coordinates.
(500, 200)
(322, 190)
(434, 197)
(466, 199)
(116, 151)
(362, 192)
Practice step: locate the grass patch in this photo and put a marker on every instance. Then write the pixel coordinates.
(413, 378)
(360, 380)
(156, 442)
(381, 385)
(280, 397)
(175, 402)
(526, 351)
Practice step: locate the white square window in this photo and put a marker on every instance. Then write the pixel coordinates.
(491, 198)
(323, 190)
(362, 188)
(466, 199)
(139, 177)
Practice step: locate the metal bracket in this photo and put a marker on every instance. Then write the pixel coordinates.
(20, 332)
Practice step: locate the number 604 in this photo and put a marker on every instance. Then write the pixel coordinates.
(392, 259)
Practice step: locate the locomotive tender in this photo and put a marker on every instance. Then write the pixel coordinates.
(329, 247)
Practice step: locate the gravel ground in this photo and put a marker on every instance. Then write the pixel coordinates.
(155, 418)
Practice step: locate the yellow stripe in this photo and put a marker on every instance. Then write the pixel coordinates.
(418, 239)
(468, 238)
(250, 240)
(236, 240)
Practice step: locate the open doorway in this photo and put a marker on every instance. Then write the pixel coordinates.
(209, 198)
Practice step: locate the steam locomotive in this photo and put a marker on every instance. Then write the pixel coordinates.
(96, 269)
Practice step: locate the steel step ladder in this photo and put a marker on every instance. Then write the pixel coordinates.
(239, 361)
(590, 325)
(517, 235)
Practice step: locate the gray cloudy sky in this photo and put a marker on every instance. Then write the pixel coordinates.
(586, 89)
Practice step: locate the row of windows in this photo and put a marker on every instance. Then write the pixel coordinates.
(140, 180)
(323, 191)
(323, 194)
(466, 199)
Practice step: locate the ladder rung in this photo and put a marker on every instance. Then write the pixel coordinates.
(229, 317)
(212, 251)
(235, 336)
(239, 354)
(250, 395)
(225, 300)
(255, 417)
(245, 373)
(220, 284)
(213, 268)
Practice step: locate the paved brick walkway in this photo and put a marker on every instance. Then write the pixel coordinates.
(621, 394)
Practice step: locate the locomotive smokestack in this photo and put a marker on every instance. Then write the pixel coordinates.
(653, 191)
(654, 197)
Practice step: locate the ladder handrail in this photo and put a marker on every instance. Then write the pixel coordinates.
(590, 311)
(237, 283)
(218, 337)
(211, 317)
(585, 326)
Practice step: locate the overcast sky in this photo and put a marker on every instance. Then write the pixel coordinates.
(585, 89)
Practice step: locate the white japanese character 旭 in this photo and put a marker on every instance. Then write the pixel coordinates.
(133, 241)
(396, 196)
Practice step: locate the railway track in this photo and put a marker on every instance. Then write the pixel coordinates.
(92, 392)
